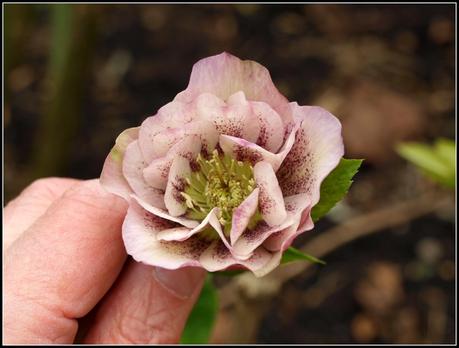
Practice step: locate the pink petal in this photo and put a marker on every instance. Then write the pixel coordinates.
(213, 221)
(317, 151)
(140, 230)
(225, 74)
(251, 239)
(298, 213)
(233, 118)
(173, 199)
(282, 240)
(112, 173)
(133, 165)
(164, 140)
(217, 257)
(244, 150)
(273, 262)
(271, 127)
(242, 215)
(157, 173)
(180, 234)
(271, 202)
(173, 115)
(277, 240)
(164, 214)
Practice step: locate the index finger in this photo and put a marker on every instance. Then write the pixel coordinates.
(60, 267)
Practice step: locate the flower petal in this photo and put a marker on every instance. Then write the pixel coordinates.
(112, 173)
(298, 214)
(280, 241)
(271, 202)
(140, 229)
(173, 115)
(252, 239)
(176, 183)
(164, 214)
(133, 165)
(157, 172)
(242, 215)
(233, 118)
(238, 105)
(317, 151)
(180, 234)
(225, 74)
(244, 150)
(272, 130)
(217, 257)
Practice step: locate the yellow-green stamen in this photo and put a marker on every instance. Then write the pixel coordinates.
(220, 181)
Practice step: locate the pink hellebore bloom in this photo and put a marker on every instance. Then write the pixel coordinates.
(226, 174)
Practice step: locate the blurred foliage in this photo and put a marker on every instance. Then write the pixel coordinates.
(437, 161)
(72, 40)
(202, 318)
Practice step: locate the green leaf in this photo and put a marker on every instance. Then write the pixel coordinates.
(437, 161)
(292, 254)
(202, 318)
(335, 186)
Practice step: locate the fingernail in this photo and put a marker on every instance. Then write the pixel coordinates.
(181, 282)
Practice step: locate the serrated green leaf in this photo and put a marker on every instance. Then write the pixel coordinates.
(437, 161)
(292, 254)
(202, 318)
(335, 186)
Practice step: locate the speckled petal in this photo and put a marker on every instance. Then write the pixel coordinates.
(156, 173)
(180, 234)
(225, 74)
(162, 213)
(244, 150)
(298, 215)
(133, 166)
(174, 115)
(112, 178)
(272, 131)
(176, 183)
(233, 118)
(282, 240)
(140, 230)
(242, 215)
(217, 257)
(317, 151)
(270, 202)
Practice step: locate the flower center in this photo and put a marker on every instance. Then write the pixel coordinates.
(221, 182)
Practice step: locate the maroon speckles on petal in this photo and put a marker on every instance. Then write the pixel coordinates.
(156, 223)
(265, 204)
(229, 127)
(245, 154)
(255, 233)
(295, 175)
(191, 248)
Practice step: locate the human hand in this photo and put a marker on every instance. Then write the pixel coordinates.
(64, 254)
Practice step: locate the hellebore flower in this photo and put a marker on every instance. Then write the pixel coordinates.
(226, 174)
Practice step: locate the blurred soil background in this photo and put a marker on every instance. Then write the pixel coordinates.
(77, 75)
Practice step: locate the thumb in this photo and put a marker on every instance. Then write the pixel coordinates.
(147, 305)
